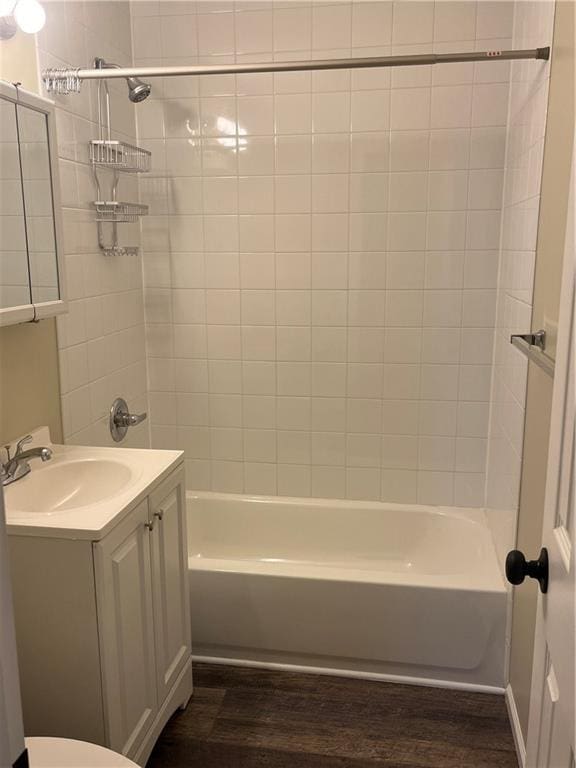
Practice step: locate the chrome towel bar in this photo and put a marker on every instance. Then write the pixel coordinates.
(532, 345)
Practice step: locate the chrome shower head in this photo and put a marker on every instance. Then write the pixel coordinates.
(138, 90)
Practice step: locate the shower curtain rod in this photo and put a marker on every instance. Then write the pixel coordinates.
(63, 81)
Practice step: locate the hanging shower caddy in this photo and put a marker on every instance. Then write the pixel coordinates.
(117, 157)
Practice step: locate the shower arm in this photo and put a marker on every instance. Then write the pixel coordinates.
(69, 80)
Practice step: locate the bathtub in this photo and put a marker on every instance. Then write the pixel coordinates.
(408, 593)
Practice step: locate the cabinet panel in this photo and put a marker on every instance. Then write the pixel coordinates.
(170, 582)
(126, 622)
(57, 633)
(32, 280)
(38, 204)
(14, 274)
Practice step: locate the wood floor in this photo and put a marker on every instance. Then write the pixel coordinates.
(249, 718)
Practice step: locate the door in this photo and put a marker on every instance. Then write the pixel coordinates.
(170, 582)
(550, 742)
(126, 630)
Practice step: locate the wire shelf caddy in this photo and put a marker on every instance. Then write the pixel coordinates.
(121, 250)
(119, 155)
(119, 212)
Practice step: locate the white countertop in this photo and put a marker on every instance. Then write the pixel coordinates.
(90, 521)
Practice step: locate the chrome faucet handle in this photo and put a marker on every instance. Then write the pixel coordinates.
(21, 443)
(130, 419)
(18, 450)
(121, 419)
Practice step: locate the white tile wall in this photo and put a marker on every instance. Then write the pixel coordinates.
(523, 168)
(269, 326)
(321, 259)
(101, 340)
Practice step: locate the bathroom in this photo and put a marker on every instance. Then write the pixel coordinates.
(301, 405)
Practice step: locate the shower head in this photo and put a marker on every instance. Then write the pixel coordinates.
(138, 90)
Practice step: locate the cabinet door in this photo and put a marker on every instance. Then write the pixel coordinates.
(170, 581)
(126, 630)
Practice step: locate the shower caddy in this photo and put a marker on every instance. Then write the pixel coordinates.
(117, 157)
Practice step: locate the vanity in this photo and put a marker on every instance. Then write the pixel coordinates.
(99, 565)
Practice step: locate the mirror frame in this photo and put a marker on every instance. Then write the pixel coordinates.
(39, 310)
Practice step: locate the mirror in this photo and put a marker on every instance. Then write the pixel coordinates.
(30, 258)
(14, 283)
(38, 204)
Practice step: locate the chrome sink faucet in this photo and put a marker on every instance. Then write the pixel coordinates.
(18, 465)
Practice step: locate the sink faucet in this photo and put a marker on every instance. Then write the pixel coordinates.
(17, 466)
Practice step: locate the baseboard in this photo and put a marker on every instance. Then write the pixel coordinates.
(311, 670)
(516, 729)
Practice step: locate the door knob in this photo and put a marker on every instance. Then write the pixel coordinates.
(517, 568)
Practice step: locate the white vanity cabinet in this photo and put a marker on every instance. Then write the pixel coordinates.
(171, 601)
(126, 628)
(103, 626)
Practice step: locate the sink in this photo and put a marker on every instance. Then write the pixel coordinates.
(83, 491)
(66, 485)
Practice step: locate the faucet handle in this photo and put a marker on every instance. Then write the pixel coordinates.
(21, 443)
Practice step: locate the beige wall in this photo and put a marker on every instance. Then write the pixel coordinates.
(18, 61)
(551, 234)
(29, 384)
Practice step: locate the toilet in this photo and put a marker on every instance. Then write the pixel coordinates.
(47, 752)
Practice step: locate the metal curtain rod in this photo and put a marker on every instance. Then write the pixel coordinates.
(64, 81)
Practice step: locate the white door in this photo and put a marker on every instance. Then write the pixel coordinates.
(170, 582)
(126, 627)
(550, 742)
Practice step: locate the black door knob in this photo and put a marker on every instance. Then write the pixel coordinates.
(517, 568)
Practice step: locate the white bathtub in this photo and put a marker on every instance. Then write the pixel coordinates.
(402, 592)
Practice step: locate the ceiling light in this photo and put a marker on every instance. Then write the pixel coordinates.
(29, 15)
(7, 7)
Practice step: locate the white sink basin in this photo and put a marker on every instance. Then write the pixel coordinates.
(83, 491)
(66, 485)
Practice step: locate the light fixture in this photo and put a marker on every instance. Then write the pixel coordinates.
(28, 15)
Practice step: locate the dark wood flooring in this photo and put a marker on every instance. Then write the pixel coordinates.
(249, 718)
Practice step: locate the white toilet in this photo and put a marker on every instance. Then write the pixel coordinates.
(44, 752)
